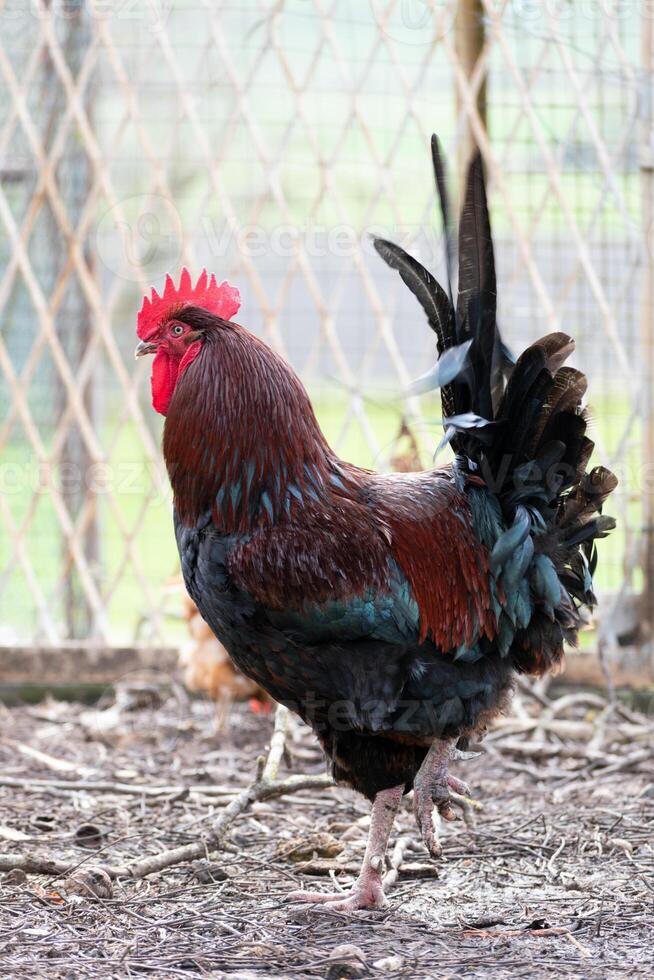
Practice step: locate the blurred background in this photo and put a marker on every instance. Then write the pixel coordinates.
(266, 140)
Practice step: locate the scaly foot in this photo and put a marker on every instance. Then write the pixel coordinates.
(368, 894)
(367, 891)
(425, 798)
(431, 788)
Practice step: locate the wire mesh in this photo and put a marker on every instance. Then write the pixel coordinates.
(267, 141)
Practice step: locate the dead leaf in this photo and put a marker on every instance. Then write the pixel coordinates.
(49, 896)
(321, 845)
(90, 883)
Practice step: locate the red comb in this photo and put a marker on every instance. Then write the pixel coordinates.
(222, 300)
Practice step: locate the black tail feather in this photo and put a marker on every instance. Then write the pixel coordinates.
(522, 428)
(568, 389)
(478, 388)
(477, 293)
(433, 299)
(429, 293)
(440, 176)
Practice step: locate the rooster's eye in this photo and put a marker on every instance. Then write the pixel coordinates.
(177, 330)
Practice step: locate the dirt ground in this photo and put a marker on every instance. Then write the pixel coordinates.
(556, 878)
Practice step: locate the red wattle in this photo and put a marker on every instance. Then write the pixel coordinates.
(166, 372)
(164, 377)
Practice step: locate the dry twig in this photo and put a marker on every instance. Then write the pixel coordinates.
(266, 786)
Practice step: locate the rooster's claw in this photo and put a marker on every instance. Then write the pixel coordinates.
(428, 795)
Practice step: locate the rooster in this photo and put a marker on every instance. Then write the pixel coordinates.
(390, 611)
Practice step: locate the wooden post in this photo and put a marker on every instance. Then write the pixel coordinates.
(470, 35)
(647, 323)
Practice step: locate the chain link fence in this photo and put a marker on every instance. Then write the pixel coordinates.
(266, 140)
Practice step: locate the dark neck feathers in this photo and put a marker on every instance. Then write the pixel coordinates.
(241, 438)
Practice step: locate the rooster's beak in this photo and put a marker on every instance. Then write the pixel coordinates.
(144, 347)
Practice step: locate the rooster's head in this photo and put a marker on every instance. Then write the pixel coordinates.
(165, 329)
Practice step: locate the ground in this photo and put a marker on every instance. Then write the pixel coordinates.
(556, 878)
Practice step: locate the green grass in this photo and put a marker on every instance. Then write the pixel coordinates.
(150, 526)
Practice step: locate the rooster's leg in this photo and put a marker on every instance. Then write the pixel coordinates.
(431, 787)
(367, 891)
